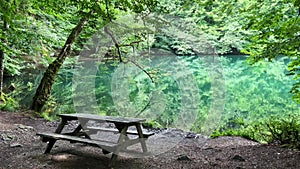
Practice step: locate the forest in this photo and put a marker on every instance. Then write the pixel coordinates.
(214, 67)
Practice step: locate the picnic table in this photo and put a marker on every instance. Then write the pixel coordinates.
(82, 132)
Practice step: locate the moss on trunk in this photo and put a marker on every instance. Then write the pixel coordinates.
(43, 91)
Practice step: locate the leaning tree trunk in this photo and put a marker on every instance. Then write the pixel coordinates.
(2, 57)
(2, 52)
(44, 90)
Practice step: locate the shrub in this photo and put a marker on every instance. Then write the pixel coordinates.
(9, 104)
(284, 130)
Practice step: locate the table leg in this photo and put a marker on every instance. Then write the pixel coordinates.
(58, 130)
(80, 127)
(121, 139)
(141, 137)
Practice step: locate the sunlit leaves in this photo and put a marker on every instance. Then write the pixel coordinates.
(296, 3)
(275, 28)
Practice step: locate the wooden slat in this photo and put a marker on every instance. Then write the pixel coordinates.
(98, 143)
(133, 132)
(110, 119)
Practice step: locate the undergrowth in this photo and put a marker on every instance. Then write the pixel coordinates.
(284, 130)
(8, 103)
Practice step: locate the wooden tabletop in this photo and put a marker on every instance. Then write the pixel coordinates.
(110, 119)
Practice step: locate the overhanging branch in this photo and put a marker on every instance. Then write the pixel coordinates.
(140, 67)
(118, 46)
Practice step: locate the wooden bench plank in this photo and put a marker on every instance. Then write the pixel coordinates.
(116, 131)
(98, 143)
(112, 119)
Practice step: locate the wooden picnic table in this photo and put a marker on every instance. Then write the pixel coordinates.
(82, 132)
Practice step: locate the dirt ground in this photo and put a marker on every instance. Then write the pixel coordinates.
(21, 148)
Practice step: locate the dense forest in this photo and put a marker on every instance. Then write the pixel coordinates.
(222, 67)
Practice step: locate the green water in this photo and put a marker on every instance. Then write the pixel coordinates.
(225, 88)
(194, 93)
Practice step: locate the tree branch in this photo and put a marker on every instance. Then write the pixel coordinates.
(118, 46)
(140, 67)
(106, 30)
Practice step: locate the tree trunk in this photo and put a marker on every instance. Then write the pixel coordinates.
(2, 57)
(2, 52)
(44, 90)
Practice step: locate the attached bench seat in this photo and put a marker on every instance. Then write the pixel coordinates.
(94, 130)
(97, 143)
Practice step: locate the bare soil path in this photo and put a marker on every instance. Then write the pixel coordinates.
(21, 148)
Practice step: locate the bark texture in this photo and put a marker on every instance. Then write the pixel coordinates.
(44, 89)
(2, 52)
(2, 57)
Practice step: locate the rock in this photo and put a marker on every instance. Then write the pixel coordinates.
(208, 148)
(191, 135)
(238, 167)
(173, 133)
(23, 127)
(61, 157)
(6, 137)
(238, 158)
(12, 145)
(218, 159)
(183, 157)
(44, 165)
